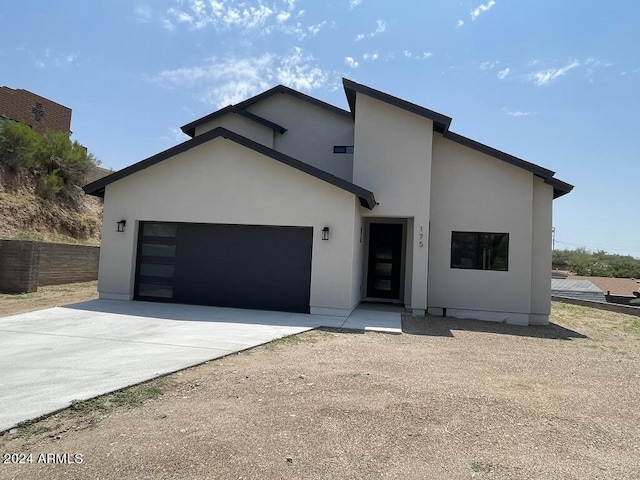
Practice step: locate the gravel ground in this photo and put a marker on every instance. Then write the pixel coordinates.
(448, 399)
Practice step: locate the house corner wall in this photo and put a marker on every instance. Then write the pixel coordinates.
(473, 192)
(541, 252)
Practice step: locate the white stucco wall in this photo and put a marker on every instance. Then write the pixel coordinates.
(223, 182)
(474, 192)
(393, 159)
(541, 253)
(312, 131)
(242, 126)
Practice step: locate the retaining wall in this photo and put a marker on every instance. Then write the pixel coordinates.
(24, 265)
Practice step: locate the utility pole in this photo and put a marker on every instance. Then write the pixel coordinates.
(553, 238)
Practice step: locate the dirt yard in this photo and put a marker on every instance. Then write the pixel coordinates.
(446, 400)
(47, 297)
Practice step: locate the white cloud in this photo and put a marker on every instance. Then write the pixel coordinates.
(301, 31)
(283, 16)
(481, 9)
(370, 57)
(351, 62)
(354, 3)
(143, 14)
(407, 54)
(518, 114)
(545, 77)
(488, 65)
(174, 135)
(291, 4)
(314, 29)
(426, 55)
(230, 13)
(460, 23)
(229, 80)
(381, 27)
(51, 58)
(502, 74)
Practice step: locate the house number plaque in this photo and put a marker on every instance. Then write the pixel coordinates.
(420, 238)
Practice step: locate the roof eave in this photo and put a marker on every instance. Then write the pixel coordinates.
(97, 188)
(441, 122)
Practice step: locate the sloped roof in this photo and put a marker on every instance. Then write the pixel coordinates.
(190, 128)
(440, 122)
(441, 125)
(241, 109)
(97, 188)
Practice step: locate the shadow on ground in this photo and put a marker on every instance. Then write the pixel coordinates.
(444, 327)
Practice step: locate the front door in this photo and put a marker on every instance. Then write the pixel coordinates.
(385, 261)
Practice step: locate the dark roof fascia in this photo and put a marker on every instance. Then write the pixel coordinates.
(294, 93)
(263, 121)
(366, 197)
(190, 128)
(559, 187)
(440, 122)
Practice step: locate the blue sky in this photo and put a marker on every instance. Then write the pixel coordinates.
(554, 82)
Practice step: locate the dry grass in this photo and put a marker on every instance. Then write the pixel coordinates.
(453, 399)
(47, 297)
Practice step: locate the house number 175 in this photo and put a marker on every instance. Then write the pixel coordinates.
(420, 238)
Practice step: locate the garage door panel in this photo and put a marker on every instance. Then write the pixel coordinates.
(258, 267)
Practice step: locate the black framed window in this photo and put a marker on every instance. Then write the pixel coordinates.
(156, 260)
(343, 149)
(480, 251)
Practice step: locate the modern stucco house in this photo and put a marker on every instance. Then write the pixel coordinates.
(284, 202)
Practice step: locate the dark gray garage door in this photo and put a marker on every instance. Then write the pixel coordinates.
(241, 266)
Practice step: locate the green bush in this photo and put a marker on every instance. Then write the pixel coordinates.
(60, 162)
(50, 185)
(598, 264)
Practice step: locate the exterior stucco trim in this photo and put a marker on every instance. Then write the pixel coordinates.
(367, 198)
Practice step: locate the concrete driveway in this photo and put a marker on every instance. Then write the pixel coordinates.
(50, 357)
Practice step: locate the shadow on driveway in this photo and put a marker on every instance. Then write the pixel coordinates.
(198, 313)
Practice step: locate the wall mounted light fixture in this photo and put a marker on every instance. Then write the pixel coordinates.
(121, 225)
(325, 233)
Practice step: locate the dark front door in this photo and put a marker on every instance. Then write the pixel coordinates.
(241, 266)
(385, 260)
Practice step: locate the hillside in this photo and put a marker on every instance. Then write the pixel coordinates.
(27, 216)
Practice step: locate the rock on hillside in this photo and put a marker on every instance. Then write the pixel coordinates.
(25, 215)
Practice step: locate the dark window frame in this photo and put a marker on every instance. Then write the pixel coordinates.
(486, 252)
(346, 149)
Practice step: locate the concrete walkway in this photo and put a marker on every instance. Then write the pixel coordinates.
(51, 357)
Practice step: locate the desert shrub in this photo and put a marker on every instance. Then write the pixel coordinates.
(60, 163)
(50, 184)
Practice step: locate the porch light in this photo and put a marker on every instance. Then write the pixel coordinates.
(121, 225)
(325, 233)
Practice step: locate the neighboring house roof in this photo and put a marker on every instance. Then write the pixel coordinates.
(581, 289)
(617, 286)
(96, 173)
(366, 197)
(240, 109)
(190, 128)
(441, 124)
